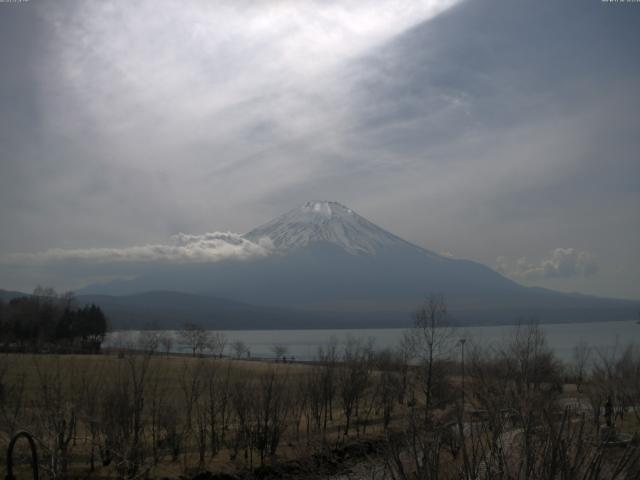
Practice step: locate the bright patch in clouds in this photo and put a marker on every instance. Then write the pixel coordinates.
(207, 71)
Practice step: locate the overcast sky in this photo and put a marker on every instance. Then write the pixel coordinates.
(502, 132)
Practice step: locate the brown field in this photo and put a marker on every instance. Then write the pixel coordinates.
(146, 415)
(54, 389)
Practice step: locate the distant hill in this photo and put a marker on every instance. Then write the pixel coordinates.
(7, 295)
(170, 310)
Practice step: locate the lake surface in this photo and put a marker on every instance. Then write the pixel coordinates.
(304, 344)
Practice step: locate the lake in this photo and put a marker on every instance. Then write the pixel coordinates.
(304, 344)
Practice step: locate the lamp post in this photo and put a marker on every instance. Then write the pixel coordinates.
(462, 342)
(461, 418)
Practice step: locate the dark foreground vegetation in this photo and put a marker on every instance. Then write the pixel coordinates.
(435, 407)
(49, 322)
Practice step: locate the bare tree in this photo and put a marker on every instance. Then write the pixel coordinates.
(313, 388)
(520, 431)
(328, 359)
(404, 356)
(627, 370)
(192, 386)
(632, 381)
(195, 337)
(91, 390)
(217, 342)
(166, 342)
(532, 387)
(581, 354)
(299, 402)
(148, 341)
(122, 415)
(353, 378)
(271, 411)
(159, 409)
(239, 348)
(279, 351)
(530, 360)
(614, 379)
(388, 383)
(170, 431)
(12, 399)
(217, 386)
(601, 387)
(244, 436)
(431, 339)
(56, 412)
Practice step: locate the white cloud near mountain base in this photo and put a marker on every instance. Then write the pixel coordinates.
(208, 247)
(561, 263)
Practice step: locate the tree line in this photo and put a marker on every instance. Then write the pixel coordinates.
(52, 322)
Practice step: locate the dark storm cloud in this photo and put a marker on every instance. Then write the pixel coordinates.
(492, 129)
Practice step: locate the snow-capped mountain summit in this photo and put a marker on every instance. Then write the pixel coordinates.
(327, 222)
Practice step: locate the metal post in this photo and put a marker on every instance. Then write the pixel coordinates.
(34, 455)
(461, 420)
(462, 341)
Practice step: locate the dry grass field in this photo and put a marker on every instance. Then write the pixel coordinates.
(166, 414)
(518, 414)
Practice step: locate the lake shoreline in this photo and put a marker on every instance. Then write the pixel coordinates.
(303, 344)
(151, 328)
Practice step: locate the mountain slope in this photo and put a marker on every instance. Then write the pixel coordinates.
(170, 310)
(332, 267)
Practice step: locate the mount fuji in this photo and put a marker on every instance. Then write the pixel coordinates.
(329, 266)
(326, 222)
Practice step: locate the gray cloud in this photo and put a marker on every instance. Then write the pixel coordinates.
(562, 263)
(480, 127)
